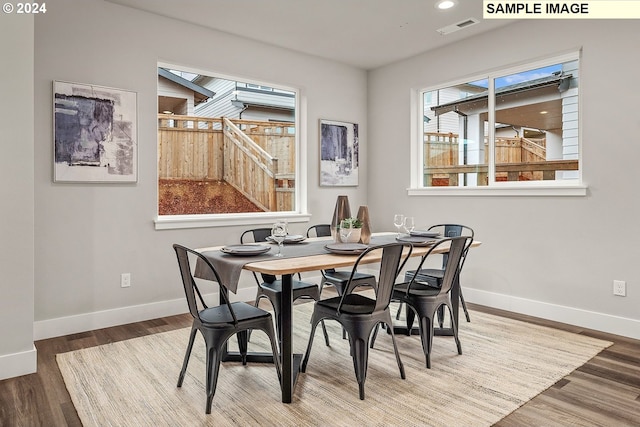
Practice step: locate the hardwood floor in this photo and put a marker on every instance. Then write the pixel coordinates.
(603, 392)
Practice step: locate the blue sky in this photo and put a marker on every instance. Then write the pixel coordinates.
(521, 77)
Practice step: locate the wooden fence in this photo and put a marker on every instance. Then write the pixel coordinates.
(257, 158)
(517, 159)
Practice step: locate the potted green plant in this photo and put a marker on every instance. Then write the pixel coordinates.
(356, 229)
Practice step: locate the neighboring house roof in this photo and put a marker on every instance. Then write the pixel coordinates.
(561, 80)
(259, 98)
(200, 94)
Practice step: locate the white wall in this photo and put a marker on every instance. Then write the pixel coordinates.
(86, 235)
(554, 257)
(17, 353)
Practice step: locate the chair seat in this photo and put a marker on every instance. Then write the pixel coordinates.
(353, 304)
(220, 315)
(418, 289)
(429, 276)
(276, 286)
(343, 276)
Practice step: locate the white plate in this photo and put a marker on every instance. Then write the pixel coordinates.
(246, 249)
(416, 240)
(346, 248)
(291, 238)
(425, 233)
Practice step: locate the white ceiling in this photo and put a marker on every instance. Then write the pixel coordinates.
(363, 33)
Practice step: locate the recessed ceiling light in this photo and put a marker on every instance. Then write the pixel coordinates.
(543, 112)
(445, 4)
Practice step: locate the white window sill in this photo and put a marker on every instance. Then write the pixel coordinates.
(503, 190)
(170, 222)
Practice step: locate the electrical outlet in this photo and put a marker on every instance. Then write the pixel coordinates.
(620, 288)
(125, 280)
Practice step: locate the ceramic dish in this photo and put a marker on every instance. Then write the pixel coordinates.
(416, 240)
(291, 238)
(245, 250)
(424, 233)
(346, 248)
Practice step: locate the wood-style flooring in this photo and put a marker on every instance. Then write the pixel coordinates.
(603, 392)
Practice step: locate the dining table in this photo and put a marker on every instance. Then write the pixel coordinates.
(303, 256)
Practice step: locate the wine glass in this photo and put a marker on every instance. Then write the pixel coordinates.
(409, 224)
(278, 234)
(398, 221)
(346, 228)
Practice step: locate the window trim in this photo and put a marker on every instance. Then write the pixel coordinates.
(572, 187)
(165, 222)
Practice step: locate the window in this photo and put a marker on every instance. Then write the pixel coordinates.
(226, 148)
(513, 128)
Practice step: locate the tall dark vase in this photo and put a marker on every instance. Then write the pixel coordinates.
(340, 212)
(363, 216)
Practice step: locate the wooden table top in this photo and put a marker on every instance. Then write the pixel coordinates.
(280, 266)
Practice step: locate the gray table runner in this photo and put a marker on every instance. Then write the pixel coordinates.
(229, 267)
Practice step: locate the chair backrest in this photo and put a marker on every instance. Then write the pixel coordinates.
(391, 263)
(457, 246)
(255, 235)
(454, 230)
(320, 230)
(258, 235)
(189, 283)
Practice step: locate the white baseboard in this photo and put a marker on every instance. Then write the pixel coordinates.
(574, 316)
(84, 322)
(120, 316)
(17, 364)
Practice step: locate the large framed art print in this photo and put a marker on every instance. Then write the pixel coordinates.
(95, 133)
(338, 153)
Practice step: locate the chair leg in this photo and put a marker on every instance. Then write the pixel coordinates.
(271, 333)
(243, 338)
(372, 341)
(441, 316)
(360, 355)
(395, 349)
(326, 335)
(314, 324)
(213, 367)
(426, 336)
(464, 307)
(410, 315)
(399, 311)
(454, 327)
(192, 338)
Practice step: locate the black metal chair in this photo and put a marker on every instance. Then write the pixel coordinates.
(434, 276)
(218, 324)
(360, 315)
(270, 286)
(424, 300)
(337, 278)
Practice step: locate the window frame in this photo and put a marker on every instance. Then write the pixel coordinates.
(301, 214)
(569, 187)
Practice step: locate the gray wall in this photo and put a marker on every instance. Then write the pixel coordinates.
(554, 257)
(17, 353)
(88, 234)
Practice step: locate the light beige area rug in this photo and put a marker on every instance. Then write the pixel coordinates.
(504, 364)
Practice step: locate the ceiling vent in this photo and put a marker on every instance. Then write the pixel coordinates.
(458, 26)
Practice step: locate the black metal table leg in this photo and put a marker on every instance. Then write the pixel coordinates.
(286, 338)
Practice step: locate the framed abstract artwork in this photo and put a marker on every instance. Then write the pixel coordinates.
(95, 134)
(338, 153)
